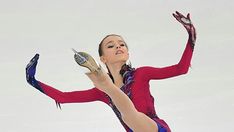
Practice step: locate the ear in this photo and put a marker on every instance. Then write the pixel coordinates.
(103, 60)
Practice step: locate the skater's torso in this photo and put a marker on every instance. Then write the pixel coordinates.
(139, 93)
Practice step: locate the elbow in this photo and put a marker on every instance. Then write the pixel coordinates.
(61, 98)
(183, 70)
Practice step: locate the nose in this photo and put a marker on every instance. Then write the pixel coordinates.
(118, 46)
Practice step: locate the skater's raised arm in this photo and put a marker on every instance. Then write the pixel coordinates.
(184, 63)
(61, 97)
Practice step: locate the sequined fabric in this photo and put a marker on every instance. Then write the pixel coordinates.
(127, 73)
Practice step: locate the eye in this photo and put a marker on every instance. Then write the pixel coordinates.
(110, 46)
(122, 44)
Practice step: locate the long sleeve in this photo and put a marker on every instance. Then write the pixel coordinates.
(72, 97)
(170, 71)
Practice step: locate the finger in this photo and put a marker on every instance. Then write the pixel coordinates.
(30, 64)
(31, 69)
(36, 57)
(181, 15)
(188, 16)
(174, 15)
(177, 17)
(91, 75)
(33, 62)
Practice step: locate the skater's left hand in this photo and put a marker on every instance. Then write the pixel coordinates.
(31, 69)
(101, 80)
(187, 23)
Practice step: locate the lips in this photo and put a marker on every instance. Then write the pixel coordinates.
(119, 52)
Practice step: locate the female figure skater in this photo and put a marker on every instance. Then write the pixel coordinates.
(123, 88)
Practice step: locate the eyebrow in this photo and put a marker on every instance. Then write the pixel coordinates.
(108, 42)
(112, 41)
(121, 41)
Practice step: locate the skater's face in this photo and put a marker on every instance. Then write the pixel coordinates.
(114, 50)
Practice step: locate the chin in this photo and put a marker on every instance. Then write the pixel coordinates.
(118, 59)
(123, 60)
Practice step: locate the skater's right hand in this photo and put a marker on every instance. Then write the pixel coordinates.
(187, 23)
(31, 69)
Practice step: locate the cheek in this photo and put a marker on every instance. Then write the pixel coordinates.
(109, 54)
(127, 55)
(126, 51)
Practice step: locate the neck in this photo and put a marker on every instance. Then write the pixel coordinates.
(114, 70)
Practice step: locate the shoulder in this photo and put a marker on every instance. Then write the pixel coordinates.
(143, 72)
(144, 69)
